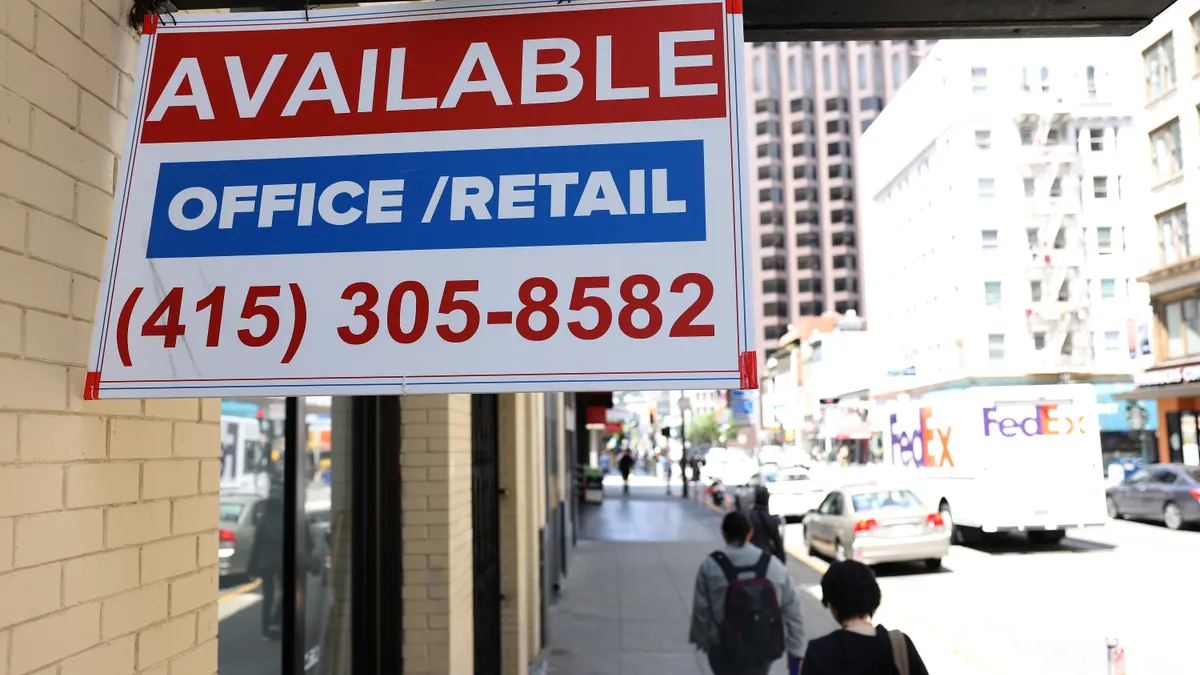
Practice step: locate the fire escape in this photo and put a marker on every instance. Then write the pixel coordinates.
(1056, 240)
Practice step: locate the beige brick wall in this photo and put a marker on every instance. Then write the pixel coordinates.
(108, 509)
(436, 501)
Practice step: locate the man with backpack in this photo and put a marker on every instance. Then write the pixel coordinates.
(746, 610)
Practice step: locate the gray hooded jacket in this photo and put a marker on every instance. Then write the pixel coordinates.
(708, 605)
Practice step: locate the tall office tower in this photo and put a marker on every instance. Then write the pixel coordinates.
(810, 103)
(1002, 190)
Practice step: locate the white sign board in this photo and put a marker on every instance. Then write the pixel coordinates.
(432, 197)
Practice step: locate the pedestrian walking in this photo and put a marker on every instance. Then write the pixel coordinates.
(665, 463)
(852, 595)
(767, 534)
(625, 466)
(746, 610)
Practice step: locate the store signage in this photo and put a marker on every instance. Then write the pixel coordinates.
(1167, 376)
(432, 197)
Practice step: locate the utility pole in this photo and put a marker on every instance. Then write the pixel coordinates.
(683, 468)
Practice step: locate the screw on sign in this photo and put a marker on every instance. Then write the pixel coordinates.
(303, 210)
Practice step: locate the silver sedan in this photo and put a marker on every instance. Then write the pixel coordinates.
(876, 524)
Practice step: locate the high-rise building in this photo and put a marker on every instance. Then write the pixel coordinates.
(810, 103)
(1001, 193)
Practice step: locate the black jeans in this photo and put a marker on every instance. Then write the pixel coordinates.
(271, 604)
(721, 668)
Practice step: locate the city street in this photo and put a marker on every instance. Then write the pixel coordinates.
(1004, 607)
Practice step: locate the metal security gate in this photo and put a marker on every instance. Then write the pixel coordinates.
(485, 520)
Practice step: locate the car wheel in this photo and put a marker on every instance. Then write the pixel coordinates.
(933, 564)
(1111, 505)
(1172, 516)
(839, 553)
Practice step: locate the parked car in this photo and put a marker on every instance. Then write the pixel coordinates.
(794, 492)
(874, 523)
(1169, 493)
(239, 517)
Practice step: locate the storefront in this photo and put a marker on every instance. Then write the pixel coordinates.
(1175, 392)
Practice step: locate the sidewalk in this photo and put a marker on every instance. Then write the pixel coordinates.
(626, 606)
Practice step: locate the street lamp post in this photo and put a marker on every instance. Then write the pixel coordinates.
(684, 406)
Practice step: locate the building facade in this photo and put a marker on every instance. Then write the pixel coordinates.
(1167, 56)
(810, 103)
(418, 534)
(1001, 221)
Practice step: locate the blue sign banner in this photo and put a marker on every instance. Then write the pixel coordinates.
(532, 196)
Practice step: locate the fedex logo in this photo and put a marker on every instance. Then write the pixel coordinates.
(1045, 420)
(934, 441)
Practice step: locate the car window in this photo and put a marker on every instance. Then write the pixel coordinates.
(1139, 476)
(883, 499)
(1194, 473)
(832, 506)
(231, 511)
(1163, 477)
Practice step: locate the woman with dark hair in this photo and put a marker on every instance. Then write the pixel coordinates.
(852, 595)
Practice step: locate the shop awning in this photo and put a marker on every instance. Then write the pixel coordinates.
(1151, 393)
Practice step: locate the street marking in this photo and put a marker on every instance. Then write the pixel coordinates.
(245, 588)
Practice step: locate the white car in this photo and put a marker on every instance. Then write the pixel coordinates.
(794, 492)
(732, 466)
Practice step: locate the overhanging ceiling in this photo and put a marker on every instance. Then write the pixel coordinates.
(802, 20)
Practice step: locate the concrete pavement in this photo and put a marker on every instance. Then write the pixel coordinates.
(626, 607)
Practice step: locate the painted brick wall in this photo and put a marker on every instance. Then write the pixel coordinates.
(108, 510)
(436, 501)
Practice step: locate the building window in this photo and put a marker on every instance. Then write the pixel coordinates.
(861, 63)
(1039, 341)
(1104, 243)
(1100, 187)
(1035, 291)
(1091, 81)
(771, 240)
(996, 347)
(991, 293)
(1166, 151)
(1045, 80)
(775, 309)
(983, 139)
(827, 72)
(1027, 137)
(792, 73)
(1097, 139)
(991, 240)
(897, 75)
(773, 332)
(1056, 188)
(1025, 79)
(1174, 244)
(987, 188)
(1108, 290)
(843, 71)
(1029, 185)
(773, 263)
(1173, 320)
(774, 286)
(758, 73)
(979, 80)
(1159, 63)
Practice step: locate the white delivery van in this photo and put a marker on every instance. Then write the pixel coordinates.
(1003, 459)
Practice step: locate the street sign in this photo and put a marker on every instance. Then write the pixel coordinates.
(432, 197)
(741, 404)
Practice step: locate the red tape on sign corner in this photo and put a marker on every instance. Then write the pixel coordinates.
(91, 386)
(733, 6)
(748, 370)
(150, 23)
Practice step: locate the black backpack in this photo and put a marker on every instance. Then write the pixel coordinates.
(752, 633)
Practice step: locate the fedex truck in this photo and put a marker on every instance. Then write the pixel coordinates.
(1003, 459)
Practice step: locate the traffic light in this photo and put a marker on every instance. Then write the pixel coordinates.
(666, 432)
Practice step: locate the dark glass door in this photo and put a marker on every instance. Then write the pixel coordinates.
(485, 520)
